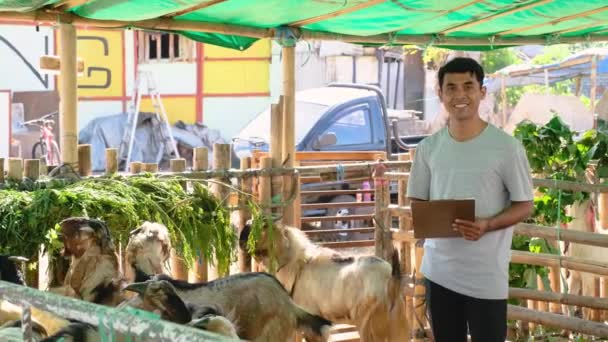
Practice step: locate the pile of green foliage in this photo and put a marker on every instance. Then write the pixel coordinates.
(555, 152)
(198, 221)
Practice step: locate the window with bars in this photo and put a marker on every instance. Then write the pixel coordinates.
(164, 48)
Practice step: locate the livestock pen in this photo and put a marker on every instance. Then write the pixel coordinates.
(272, 188)
(474, 24)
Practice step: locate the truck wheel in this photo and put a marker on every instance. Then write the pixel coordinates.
(346, 224)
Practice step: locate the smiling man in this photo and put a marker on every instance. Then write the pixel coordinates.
(467, 278)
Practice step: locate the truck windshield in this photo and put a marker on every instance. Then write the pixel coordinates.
(307, 114)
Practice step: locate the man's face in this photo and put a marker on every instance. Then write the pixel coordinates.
(461, 94)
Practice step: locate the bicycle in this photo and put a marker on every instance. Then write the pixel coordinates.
(51, 156)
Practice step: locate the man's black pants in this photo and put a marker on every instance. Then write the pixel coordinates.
(452, 313)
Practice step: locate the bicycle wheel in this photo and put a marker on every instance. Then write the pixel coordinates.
(39, 151)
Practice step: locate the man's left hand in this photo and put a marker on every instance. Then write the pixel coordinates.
(472, 230)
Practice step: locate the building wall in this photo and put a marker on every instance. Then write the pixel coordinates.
(221, 88)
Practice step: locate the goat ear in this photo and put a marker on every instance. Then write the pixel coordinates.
(135, 231)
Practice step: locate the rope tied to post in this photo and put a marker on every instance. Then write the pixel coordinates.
(286, 36)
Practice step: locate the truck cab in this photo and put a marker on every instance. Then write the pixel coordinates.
(338, 117)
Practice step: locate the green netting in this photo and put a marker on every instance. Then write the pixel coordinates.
(531, 18)
(228, 41)
(24, 5)
(265, 14)
(131, 10)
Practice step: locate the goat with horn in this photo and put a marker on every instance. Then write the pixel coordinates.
(365, 291)
(94, 274)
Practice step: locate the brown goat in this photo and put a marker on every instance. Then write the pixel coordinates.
(364, 291)
(94, 274)
(160, 297)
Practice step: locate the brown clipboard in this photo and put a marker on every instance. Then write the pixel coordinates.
(434, 219)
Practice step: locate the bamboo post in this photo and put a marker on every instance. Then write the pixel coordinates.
(542, 305)
(31, 169)
(602, 225)
(178, 266)
(577, 86)
(68, 118)
(221, 161)
(15, 169)
(111, 160)
(382, 218)
(179, 165)
(1, 170)
(150, 167)
(200, 162)
(264, 192)
(556, 286)
(405, 250)
(404, 221)
(297, 201)
(531, 305)
(419, 296)
(276, 150)
(136, 167)
(44, 169)
(244, 258)
(85, 167)
(419, 288)
(289, 151)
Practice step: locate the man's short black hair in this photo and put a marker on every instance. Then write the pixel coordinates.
(460, 65)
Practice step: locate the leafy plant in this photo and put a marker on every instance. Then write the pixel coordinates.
(198, 222)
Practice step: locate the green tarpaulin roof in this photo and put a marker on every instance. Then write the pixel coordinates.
(476, 25)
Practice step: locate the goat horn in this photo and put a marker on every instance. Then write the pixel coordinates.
(136, 287)
(18, 259)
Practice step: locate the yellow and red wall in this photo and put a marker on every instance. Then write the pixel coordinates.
(221, 88)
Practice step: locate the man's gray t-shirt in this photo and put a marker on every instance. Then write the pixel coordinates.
(492, 168)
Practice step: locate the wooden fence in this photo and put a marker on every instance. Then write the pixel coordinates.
(257, 176)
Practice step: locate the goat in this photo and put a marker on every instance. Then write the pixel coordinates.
(94, 274)
(44, 323)
(9, 271)
(160, 297)
(259, 304)
(583, 283)
(364, 291)
(149, 248)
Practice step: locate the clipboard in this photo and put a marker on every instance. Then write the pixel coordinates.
(434, 218)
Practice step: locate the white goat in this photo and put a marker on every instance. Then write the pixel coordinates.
(364, 291)
(148, 250)
(583, 283)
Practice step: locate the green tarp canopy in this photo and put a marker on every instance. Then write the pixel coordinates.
(466, 24)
